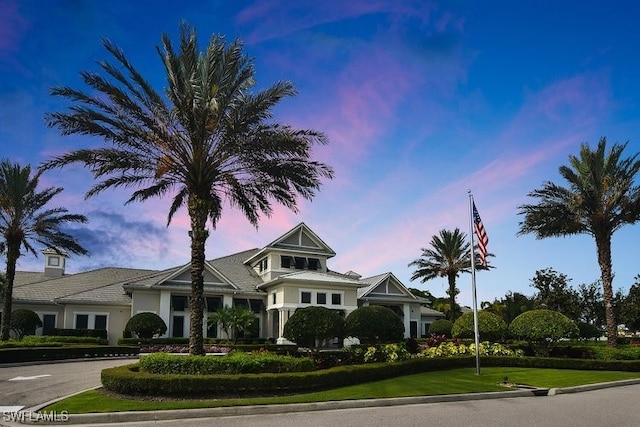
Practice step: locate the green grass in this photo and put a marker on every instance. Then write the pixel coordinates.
(429, 383)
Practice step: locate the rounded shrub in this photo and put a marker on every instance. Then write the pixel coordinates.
(441, 327)
(146, 325)
(375, 324)
(490, 326)
(24, 322)
(543, 328)
(310, 326)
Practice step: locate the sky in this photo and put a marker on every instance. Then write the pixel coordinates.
(422, 102)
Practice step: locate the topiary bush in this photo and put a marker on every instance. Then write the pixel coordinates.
(441, 327)
(311, 326)
(490, 326)
(146, 325)
(375, 324)
(543, 329)
(24, 322)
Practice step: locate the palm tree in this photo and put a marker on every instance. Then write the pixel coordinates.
(600, 198)
(448, 256)
(208, 141)
(24, 219)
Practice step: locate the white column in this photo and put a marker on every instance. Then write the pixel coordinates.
(165, 310)
(406, 308)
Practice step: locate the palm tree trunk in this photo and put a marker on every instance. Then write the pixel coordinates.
(604, 260)
(452, 297)
(13, 252)
(198, 213)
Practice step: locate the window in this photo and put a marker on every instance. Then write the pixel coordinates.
(178, 327)
(301, 263)
(273, 298)
(336, 299)
(256, 305)
(100, 322)
(179, 302)
(82, 321)
(313, 264)
(262, 265)
(305, 297)
(213, 303)
(54, 261)
(48, 323)
(286, 261)
(321, 298)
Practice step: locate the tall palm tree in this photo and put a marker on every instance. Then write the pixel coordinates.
(448, 256)
(24, 219)
(207, 141)
(600, 197)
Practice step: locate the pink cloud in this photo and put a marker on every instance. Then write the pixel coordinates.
(277, 19)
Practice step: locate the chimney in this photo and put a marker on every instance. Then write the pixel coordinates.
(54, 262)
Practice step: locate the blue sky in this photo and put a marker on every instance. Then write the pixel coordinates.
(421, 101)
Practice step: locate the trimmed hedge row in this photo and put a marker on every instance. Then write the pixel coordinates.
(131, 380)
(232, 363)
(32, 354)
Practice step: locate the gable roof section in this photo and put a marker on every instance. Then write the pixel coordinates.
(225, 273)
(385, 287)
(299, 239)
(51, 290)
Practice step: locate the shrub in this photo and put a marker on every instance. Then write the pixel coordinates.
(543, 329)
(233, 320)
(490, 326)
(441, 327)
(24, 322)
(451, 349)
(588, 331)
(232, 363)
(309, 327)
(375, 324)
(146, 325)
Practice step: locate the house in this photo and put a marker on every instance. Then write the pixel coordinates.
(289, 273)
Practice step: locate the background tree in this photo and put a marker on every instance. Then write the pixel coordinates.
(591, 304)
(630, 310)
(311, 327)
(543, 329)
(441, 327)
(511, 306)
(490, 326)
(554, 293)
(449, 255)
(24, 322)
(146, 325)
(375, 324)
(26, 220)
(207, 141)
(600, 198)
(233, 320)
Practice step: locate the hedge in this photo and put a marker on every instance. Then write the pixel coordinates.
(31, 354)
(131, 380)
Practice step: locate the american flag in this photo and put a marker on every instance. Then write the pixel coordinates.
(483, 239)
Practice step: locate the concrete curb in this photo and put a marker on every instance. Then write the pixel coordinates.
(589, 387)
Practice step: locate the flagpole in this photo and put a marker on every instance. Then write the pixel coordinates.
(473, 285)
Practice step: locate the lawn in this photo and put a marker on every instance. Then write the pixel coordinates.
(429, 383)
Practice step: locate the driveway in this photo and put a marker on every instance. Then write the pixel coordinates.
(33, 385)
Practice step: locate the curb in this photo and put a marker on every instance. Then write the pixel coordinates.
(589, 387)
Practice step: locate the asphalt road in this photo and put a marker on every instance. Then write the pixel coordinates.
(33, 385)
(605, 407)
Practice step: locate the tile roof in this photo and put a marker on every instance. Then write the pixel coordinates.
(90, 283)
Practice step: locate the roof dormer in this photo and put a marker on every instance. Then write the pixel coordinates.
(54, 262)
